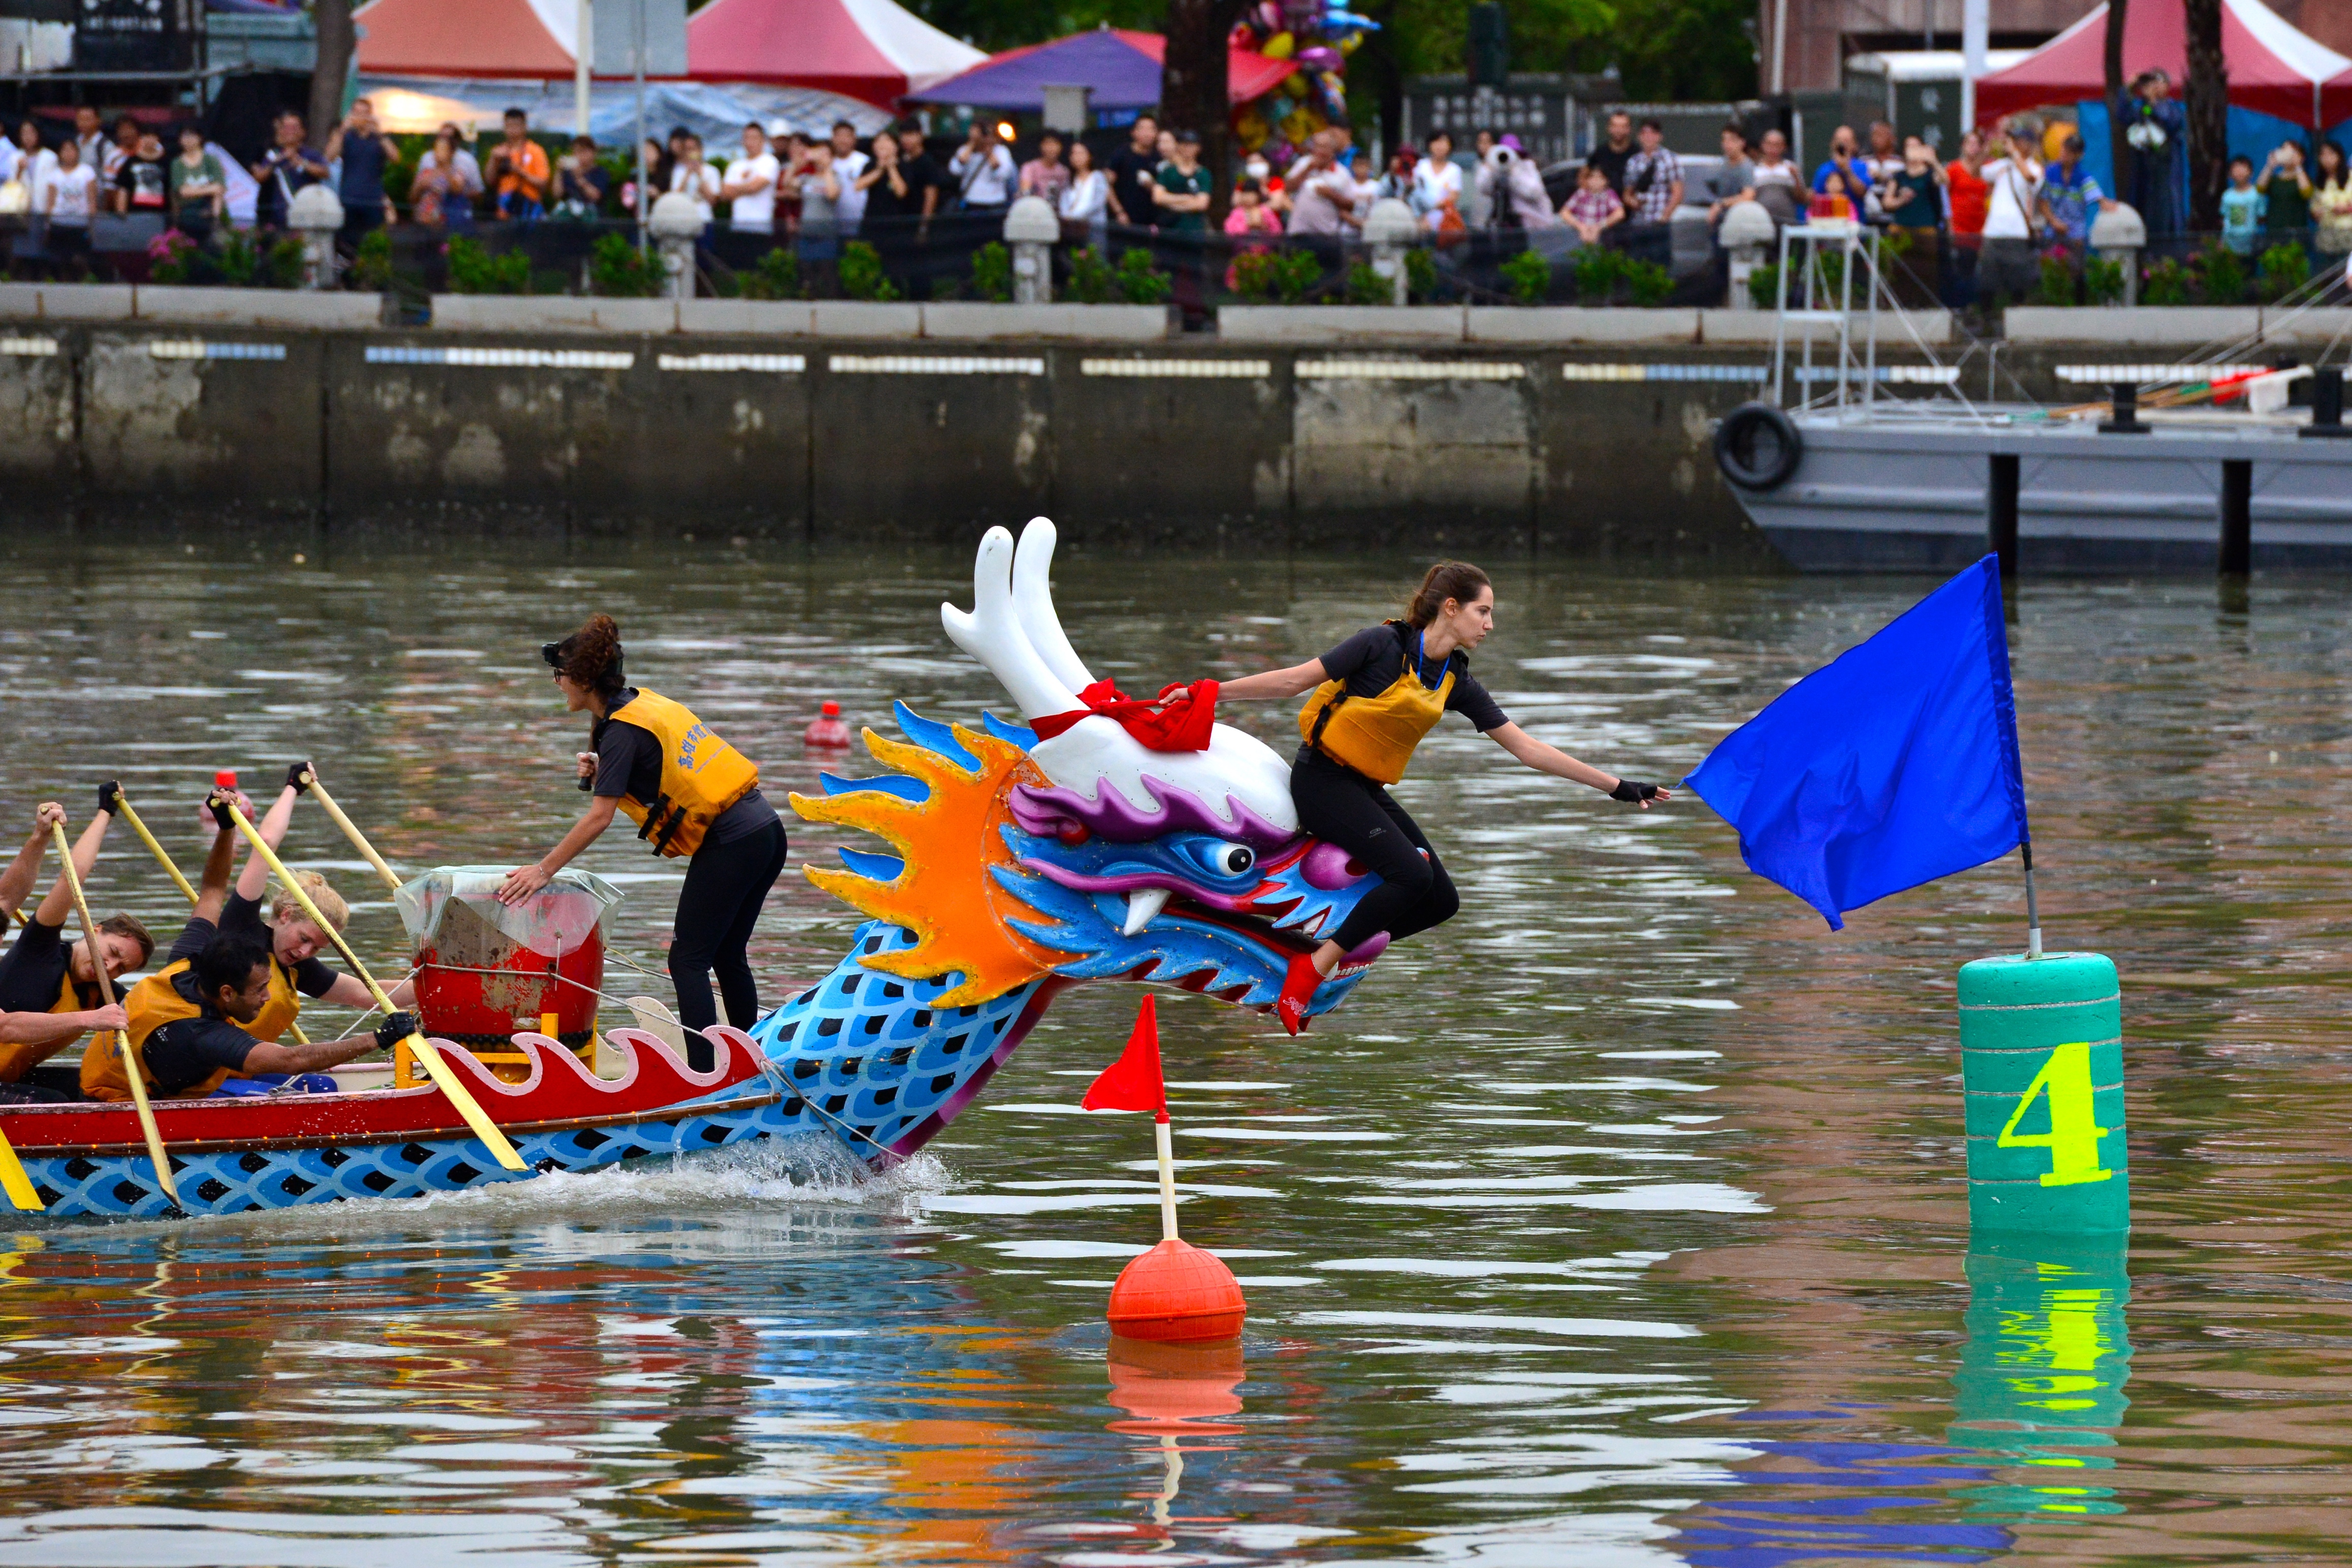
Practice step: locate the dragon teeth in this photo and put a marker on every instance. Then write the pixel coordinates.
(1143, 906)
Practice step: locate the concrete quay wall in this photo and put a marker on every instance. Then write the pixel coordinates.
(1593, 450)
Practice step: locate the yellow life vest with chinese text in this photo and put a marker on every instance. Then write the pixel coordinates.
(701, 774)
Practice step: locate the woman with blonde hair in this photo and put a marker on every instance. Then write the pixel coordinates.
(1376, 696)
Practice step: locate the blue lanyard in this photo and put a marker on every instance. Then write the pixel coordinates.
(1420, 661)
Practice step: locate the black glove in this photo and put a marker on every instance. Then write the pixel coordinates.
(1631, 793)
(218, 805)
(397, 1027)
(110, 796)
(298, 778)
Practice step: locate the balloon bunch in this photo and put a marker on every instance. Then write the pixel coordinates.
(1316, 36)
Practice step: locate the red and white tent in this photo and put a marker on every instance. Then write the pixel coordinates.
(868, 50)
(2274, 68)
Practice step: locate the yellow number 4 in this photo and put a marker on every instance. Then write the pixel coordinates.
(2074, 1132)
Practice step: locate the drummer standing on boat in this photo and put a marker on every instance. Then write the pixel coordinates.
(691, 794)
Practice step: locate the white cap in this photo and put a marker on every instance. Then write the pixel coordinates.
(780, 128)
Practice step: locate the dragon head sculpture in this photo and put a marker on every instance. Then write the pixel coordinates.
(1085, 856)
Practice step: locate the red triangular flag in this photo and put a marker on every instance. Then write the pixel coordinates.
(1132, 1082)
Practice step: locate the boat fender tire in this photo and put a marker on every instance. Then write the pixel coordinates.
(1757, 447)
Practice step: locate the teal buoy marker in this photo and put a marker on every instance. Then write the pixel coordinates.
(2042, 1070)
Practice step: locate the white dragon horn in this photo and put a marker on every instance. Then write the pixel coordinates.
(991, 633)
(1033, 601)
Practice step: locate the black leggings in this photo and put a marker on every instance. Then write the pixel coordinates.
(1341, 806)
(725, 886)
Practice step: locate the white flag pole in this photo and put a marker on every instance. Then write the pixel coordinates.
(1167, 1177)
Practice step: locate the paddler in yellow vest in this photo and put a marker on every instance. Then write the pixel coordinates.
(289, 935)
(690, 795)
(1374, 697)
(195, 1030)
(48, 992)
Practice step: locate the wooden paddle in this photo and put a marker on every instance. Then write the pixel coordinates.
(14, 1183)
(122, 1036)
(352, 832)
(442, 1078)
(122, 808)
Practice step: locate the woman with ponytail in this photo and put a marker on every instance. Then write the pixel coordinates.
(1375, 696)
(691, 794)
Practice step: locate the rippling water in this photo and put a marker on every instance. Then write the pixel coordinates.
(1620, 1221)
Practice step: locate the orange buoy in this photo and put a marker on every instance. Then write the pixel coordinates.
(827, 729)
(1176, 1291)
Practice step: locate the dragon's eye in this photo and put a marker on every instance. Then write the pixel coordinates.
(1233, 860)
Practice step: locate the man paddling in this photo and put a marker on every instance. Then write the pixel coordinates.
(48, 992)
(189, 1025)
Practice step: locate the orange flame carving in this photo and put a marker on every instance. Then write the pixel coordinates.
(949, 843)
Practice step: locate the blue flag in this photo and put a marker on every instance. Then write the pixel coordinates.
(1893, 765)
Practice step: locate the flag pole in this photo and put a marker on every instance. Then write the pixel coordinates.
(1167, 1177)
(2033, 908)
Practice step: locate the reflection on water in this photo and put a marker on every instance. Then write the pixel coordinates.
(1620, 1221)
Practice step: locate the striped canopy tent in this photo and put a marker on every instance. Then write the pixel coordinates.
(2274, 68)
(1120, 66)
(868, 50)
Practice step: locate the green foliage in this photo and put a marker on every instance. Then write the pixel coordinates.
(1276, 276)
(1142, 283)
(1649, 283)
(2284, 269)
(246, 263)
(616, 268)
(777, 277)
(2166, 283)
(1092, 282)
(2224, 276)
(1598, 269)
(991, 272)
(1528, 276)
(861, 273)
(1421, 275)
(2057, 286)
(1764, 287)
(1366, 286)
(474, 270)
(371, 262)
(2103, 278)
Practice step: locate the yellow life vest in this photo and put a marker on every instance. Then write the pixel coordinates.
(155, 1002)
(702, 775)
(1376, 735)
(17, 1060)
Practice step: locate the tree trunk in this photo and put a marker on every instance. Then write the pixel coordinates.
(1192, 86)
(2208, 116)
(336, 42)
(2118, 150)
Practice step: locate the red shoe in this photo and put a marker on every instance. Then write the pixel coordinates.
(1297, 992)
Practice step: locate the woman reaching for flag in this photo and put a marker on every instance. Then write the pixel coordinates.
(1374, 697)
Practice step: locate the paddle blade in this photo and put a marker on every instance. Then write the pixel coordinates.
(467, 1106)
(14, 1183)
(1133, 1082)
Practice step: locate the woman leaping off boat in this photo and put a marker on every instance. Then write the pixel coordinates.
(1375, 696)
(691, 793)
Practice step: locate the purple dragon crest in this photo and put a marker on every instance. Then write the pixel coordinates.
(1110, 814)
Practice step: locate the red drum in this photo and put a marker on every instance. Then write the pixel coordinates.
(486, 971)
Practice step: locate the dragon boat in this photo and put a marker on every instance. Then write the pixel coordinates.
(1018, 864)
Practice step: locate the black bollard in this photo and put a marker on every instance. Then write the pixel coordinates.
(2237, 516)
(2327, 405)
(2000, 512)
(2127, 411)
